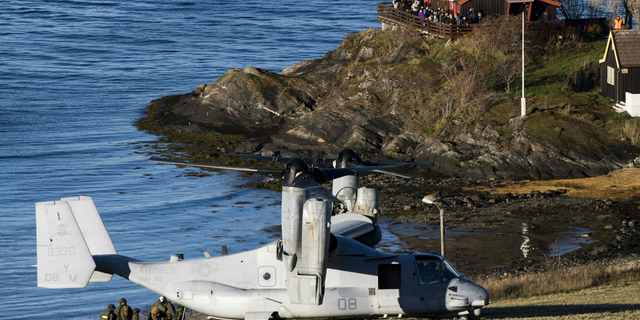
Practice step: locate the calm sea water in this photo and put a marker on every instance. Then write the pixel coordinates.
(74, 77)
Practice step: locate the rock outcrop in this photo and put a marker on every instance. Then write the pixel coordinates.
(363, 96)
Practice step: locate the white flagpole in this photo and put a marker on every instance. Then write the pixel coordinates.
(523, 102)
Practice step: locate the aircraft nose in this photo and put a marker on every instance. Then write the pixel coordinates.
(480, 298)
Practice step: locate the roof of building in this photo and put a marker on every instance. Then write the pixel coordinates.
(626, 47)
(551, 2)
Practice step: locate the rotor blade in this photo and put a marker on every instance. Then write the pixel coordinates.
(317, 161)
(274, 158)
(398, 174)
(322, 175)
(306, 181)
(369, 164)
(352, 164)
(278, 173)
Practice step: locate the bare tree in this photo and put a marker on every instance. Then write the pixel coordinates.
(580, 9)
(572, 9)
(508, 69)
(502, 38)
(465, 91)
(624, 8)
(596, 9)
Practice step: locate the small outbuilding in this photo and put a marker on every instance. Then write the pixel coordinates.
(620, 70)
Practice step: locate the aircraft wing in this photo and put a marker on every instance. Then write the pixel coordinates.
(351, 225)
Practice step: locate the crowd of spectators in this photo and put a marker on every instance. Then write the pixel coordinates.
(423, 10)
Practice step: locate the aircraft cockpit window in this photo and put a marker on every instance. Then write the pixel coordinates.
(435, 271)
(429, 271)
(449, 271)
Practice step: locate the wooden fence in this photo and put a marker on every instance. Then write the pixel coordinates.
(387, 14)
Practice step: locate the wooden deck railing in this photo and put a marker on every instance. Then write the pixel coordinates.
(388, 14)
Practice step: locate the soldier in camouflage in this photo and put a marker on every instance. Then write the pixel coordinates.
(136, 314)
(179, 312)
(108, 314)
(124, 311)
(162, 310)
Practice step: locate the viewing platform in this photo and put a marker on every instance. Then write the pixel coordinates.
(388, 15)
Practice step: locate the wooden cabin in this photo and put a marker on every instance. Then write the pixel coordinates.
(620, 68)
(535, 10)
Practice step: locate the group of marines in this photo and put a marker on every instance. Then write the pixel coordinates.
(161, 310)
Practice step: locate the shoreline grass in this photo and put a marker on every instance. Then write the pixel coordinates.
(620, 184)
(609, 302)
(562, 279)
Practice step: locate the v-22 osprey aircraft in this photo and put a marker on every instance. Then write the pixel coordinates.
(325, 265)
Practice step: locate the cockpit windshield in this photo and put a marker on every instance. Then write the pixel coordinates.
(432, 270)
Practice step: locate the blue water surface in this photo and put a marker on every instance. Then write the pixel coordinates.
(76, 75)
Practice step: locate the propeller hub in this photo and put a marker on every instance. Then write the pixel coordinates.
(294, 168)
(345, 156)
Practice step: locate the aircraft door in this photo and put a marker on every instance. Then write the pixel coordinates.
(389, 288)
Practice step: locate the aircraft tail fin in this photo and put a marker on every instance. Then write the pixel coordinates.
(93, 230)
(64, 259)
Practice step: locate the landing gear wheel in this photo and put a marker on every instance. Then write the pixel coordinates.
(465, 317)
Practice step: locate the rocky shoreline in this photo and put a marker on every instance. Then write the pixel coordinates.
(352, 97)
(358, 96)
(612, 223)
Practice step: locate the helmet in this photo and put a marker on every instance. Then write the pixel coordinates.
(111, 307)
(136, 310)
(161, 298)
(123, 300)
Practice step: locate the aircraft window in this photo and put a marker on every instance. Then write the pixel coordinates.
(429, 271)
(435, 271)
(449, 271)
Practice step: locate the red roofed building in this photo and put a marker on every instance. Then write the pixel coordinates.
(620, 68)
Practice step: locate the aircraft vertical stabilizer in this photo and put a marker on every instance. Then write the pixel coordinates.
(93, 229)
(64, 259)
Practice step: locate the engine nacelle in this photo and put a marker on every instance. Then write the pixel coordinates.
(367, 203)
(306, 283)
(293, 200)
(346, 189)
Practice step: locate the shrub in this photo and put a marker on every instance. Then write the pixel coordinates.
(585, 77)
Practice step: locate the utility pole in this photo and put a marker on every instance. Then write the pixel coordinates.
(523, 102)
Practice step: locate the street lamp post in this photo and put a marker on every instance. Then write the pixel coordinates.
(431, 200)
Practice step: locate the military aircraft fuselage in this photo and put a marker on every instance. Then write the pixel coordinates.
(361, 281)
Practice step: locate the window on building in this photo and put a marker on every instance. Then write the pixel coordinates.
(611, 73)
